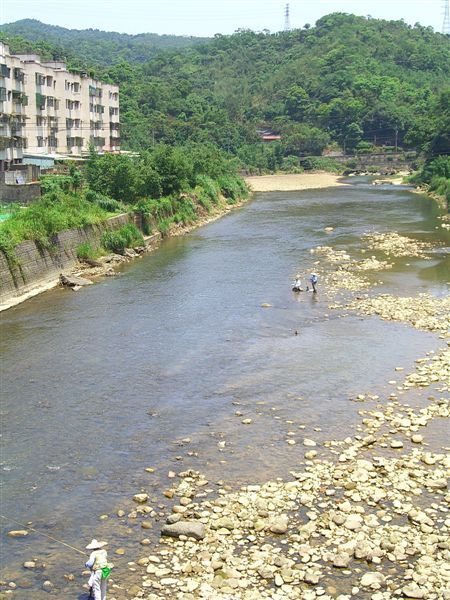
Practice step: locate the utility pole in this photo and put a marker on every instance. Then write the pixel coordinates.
(446, 23)
(287, 22)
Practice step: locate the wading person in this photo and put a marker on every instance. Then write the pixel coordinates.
(297, 285)
(98, 564)
(313, 279)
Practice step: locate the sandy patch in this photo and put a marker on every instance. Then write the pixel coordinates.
(291, 183)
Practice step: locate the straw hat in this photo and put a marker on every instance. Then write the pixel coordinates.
(95, 545)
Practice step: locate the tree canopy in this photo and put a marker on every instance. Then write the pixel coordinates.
(351, 81)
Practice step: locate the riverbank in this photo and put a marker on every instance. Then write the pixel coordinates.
(293, 182)
(107, 264)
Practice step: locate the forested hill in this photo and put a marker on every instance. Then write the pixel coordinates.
(349, 79)
(95, 47)
(350, 82)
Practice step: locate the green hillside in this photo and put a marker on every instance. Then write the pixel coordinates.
(95, 47)
(349, 82)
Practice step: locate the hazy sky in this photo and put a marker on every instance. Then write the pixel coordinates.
(207, 17)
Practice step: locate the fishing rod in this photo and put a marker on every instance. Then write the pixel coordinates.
(42, 533)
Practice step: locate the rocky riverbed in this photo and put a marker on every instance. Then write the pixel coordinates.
(362, 517)
(365, 516)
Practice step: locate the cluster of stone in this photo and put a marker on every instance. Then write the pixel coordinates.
(394, 244)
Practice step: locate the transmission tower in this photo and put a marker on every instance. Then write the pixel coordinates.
(287, 22)
(446, 23)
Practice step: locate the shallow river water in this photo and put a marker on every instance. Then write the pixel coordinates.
(99, 384)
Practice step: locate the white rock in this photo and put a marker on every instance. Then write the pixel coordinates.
(413, 591)
(373, 580)
(140, 498)
(308, 442)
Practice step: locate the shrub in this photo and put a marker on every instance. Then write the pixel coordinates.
(204, 200)
(291, 164)
(117, 240)
(209, 186)
(56, 183)
(105, 202)
(322, 163)
(364, 147)
(164, 226)
(233, 188)
(186, 211)
(86, 251)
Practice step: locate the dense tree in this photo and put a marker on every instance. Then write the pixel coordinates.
(350, 80)
(92, 46)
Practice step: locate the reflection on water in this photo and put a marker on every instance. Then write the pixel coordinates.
(100, 384)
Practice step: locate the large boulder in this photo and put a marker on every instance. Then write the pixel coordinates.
(193, 529)
(73, 281)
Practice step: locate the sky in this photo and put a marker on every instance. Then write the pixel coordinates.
(207, 17)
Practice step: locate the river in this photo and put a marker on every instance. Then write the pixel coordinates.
(99, 384)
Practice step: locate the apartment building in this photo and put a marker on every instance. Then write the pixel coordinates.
(45, 110)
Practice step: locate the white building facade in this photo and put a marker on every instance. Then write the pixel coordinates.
(47, 110)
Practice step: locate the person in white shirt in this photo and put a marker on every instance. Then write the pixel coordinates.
(297, 285)
(98, 560)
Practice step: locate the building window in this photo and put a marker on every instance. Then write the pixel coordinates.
(40, 101)
(40, 79)
(113, 110)
(5, 71)
(2, 94)
(20, 98)
(19, 75)
(40, 141)
(95, 91)
(40, 120)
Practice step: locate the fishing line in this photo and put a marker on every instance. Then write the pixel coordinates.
(42, 533)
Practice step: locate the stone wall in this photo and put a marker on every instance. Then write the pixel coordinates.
(37, 267)
(23, 194)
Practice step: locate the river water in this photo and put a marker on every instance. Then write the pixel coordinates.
(99, 384)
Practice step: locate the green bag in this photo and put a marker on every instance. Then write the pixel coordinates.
(105, 572)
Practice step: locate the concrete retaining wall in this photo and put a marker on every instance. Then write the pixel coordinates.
(24, 194)
(37, 267)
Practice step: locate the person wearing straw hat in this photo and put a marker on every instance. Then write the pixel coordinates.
(98, 564)
(313, 279)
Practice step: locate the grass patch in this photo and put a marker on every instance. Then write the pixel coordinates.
(85, 251)
(322, 163)
(233, 188)
(44, 219)
(127, 236)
